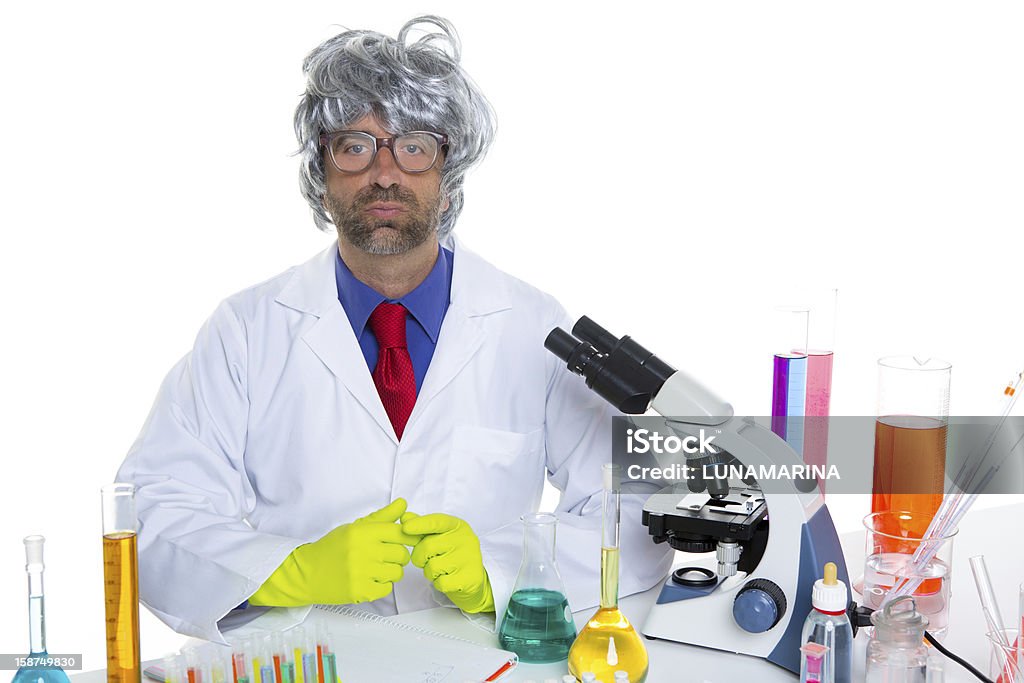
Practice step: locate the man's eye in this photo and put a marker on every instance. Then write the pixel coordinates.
(354, 149)
(412, 149)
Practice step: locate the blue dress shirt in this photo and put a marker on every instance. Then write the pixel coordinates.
(427, 305)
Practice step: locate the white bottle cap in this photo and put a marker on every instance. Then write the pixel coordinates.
(34, 553)
(829, 594)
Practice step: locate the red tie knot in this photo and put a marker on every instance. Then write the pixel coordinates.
(388, 325)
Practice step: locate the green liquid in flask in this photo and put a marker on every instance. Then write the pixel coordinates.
(538, 626)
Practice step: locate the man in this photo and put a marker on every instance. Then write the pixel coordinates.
(388, 403)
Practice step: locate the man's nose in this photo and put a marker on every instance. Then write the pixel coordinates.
(384, 171)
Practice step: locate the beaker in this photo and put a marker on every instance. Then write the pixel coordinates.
(891, 542)
(910, 437)
(609, 643)
(1007, 663)
(538, 623)
(121, 583)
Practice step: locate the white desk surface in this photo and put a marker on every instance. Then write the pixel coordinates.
(677, 663)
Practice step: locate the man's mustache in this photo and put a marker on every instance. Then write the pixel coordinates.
(393, 193)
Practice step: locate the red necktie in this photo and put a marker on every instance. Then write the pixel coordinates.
(393, 374)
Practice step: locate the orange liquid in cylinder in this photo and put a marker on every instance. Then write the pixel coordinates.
(909, 476)
(910, 467)
(121, 597)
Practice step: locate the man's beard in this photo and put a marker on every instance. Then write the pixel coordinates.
(411, 228)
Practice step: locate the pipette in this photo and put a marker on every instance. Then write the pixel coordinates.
(955, 506)
(989, 606)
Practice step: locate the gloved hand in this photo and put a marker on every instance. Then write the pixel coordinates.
(355, 562)
(449, 554)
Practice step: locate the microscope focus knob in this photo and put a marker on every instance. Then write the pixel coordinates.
(759, 605)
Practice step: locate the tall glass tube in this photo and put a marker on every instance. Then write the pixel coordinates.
(910, 437)
(789, 376)
(37, 669)
(121, 583)
(609, 643)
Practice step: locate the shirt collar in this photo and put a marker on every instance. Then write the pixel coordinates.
(427, 303)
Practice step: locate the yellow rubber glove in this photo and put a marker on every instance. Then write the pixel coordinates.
(449, 554)
(356, 562)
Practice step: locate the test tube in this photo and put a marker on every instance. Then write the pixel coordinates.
(217, 669)
(121, 583)
(322, 649)
(239, 661)
(171, 670)
(277, 651)
(330, 668)
(296, 643)
(309, 659)
(1020, 632)
(789, 378)
(989, 606)
(267, 673)
(193, 669)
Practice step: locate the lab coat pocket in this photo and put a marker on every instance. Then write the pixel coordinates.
(494, 476)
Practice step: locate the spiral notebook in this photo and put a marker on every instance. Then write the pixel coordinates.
(375, 649)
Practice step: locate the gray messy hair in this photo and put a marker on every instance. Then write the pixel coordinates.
(407, 86)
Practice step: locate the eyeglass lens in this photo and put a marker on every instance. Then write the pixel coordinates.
(354, 152)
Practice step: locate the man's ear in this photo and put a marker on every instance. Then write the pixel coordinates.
(445, 204)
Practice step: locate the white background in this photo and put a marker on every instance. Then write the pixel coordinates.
(675, 174)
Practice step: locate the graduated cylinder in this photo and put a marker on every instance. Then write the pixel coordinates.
(121, 583)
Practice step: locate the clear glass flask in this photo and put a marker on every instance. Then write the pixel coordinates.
(609, 643)
(37, 669)
(121, 584)
(538, 623)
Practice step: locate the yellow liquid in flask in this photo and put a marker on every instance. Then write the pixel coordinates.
(609, 643)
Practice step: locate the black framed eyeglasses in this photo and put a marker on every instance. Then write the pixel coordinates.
(353, 151)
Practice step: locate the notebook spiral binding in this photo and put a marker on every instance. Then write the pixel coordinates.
(349, 611)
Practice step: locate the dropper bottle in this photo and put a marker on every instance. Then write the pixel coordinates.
(828, 625)
(38, 668)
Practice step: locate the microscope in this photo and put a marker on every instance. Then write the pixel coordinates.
(770, 542)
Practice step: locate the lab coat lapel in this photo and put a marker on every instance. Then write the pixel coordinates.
(313, 289)
(476, 293)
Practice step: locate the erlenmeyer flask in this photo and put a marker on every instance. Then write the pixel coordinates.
(609, 643)
(538, 623)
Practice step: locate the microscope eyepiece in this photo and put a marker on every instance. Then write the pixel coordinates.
(621, 371)
(589, 331)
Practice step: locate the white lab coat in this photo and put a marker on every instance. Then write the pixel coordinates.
(270, 433)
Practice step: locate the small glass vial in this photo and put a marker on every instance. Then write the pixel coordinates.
(896, 651)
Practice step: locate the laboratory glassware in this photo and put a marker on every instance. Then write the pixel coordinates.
(1003, 667)
(891, 543)
(910, 437)
(789, 377)
(121, 583)
(538, 624)
(37, 669)
(609, 643)
(973, 475)
(828, 625)
(897, 650)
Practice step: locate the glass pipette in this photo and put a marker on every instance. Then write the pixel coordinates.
(956, 505)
